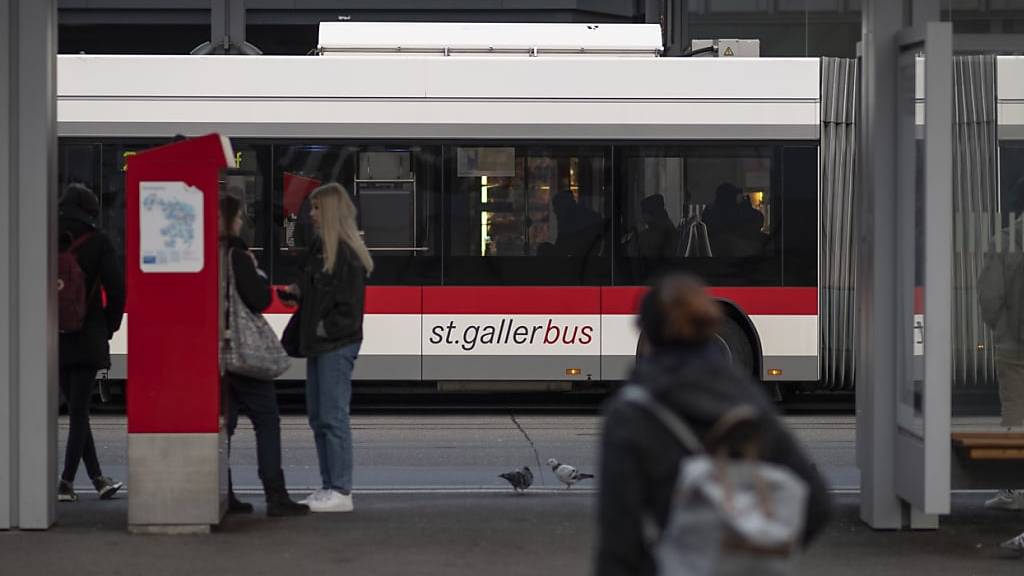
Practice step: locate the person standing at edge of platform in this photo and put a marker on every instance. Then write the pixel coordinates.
(257, 397)
(1001, 295)
(86, 349)
(328, 331)
(688, 374)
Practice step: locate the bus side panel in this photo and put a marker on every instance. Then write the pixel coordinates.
(511, 333)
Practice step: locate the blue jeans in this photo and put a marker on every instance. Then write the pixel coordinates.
(328, 395)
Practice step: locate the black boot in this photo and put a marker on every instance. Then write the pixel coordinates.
(279, 503)
(236, 506)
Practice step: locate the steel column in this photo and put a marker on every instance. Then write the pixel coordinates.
(28, 327)
(8, 396)
(877, 368)
(227, 30)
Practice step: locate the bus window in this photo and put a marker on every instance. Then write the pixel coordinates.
(712, 211)
(528, 215)
(396, 192)
(249, 182)
(114, 157)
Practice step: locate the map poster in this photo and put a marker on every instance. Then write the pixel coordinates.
(170, 227)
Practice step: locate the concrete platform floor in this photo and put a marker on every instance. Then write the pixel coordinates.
(464, 534)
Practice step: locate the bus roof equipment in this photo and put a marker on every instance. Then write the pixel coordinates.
(512, 39)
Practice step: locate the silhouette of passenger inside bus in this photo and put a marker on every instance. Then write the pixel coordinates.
(579, 227)
(734, 225)
(547, 250)
(658, 235)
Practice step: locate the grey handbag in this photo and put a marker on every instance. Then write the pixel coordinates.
(250, 346)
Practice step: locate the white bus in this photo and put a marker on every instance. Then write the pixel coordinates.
(517, 197)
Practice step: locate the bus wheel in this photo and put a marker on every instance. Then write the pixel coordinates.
(731, 338)
(643, 347)
(734, 340)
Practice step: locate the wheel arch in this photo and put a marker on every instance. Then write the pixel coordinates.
(735, 313)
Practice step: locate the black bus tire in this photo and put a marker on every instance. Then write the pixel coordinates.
(735, 340)
(731, 337)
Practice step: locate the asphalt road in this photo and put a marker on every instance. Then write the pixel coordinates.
(457, 452)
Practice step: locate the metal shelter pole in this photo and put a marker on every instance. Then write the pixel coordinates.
(674, 18)
(878, 323)
(227, 30)
(28, 307)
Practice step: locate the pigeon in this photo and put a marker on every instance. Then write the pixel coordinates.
(519, 479)
(568, 475)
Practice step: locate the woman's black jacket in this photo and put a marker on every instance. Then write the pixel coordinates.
(253, 286)
(330, 303)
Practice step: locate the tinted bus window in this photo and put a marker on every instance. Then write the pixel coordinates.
(249, 181)
(114, 158)
(395, 189)
(800, 216)
(1011, 178)
(713, 211)
(528, 214)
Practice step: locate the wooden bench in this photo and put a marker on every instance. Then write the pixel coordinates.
(990, 445)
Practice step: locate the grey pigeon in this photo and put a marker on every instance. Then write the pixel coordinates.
(519, 479)
(568, 475)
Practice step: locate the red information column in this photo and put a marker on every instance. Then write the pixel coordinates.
(177, 470)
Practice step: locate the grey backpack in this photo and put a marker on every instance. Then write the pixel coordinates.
(250, 347)
(729, 515)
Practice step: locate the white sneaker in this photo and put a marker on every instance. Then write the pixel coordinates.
(1007, 500)
(332, 501)
(1016, 544)
(316, 495)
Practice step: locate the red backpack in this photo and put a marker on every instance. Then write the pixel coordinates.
(72, 300)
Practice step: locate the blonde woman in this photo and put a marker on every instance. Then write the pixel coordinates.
(330, 331)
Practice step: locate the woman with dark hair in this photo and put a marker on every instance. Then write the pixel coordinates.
(257, 397)
(85, 349)
(689, 374)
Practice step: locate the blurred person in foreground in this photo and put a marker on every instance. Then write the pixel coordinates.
(688, 373)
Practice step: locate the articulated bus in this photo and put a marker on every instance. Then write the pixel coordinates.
(517, 198)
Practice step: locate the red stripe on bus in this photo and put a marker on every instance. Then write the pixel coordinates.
(511, 300)
(562, 300)
(759, 301)
(379, 300)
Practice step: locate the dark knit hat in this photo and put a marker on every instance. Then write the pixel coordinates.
(77, 202)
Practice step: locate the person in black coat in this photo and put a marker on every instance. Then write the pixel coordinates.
(689, 373)
(328, 331)
(257, 397)
(85, 351)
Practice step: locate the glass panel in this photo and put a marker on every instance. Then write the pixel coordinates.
(800, 207)
(395, 189)
(793, 28)
(528, 215)
(809, 5)
(79, 163)
(1001, 287)
(911, 153)
(386, 189)
(249, 183)
(115, 156)
(710, 211)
